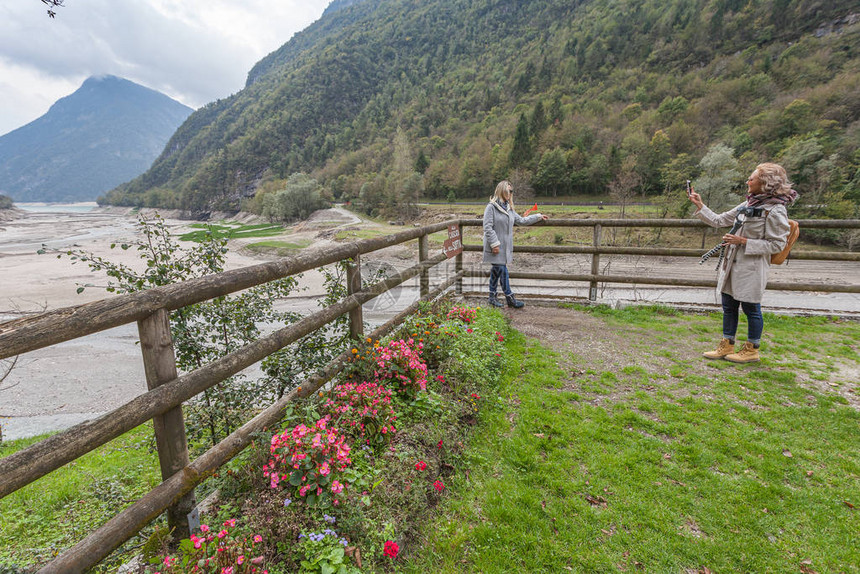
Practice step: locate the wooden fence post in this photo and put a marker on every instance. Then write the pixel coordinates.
(353, 285)
(159, 362)
(458, 265)
(595, 264)
(423, 254)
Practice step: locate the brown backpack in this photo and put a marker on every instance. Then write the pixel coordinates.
(793, 233)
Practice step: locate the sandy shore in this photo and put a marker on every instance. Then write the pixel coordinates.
(57, 387)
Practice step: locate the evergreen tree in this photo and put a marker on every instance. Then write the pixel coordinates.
(521, 152)
(421, 163)
(538, 123)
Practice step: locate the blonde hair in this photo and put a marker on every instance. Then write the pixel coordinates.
(504, 193)
(774, 179)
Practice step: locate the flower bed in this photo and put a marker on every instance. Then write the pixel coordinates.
(375, 453)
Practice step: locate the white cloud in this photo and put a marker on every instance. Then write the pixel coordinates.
(195, 51)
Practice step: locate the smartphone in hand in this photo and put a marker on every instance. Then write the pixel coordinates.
(689, 189)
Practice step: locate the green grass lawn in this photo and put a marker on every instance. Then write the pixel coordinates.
(231, 230)
(633, 468)
(61, 508)
(279, 248)
(622, 457)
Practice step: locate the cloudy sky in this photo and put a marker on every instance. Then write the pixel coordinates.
(195, 51)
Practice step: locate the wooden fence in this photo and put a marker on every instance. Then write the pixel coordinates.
(597, 249)
(167, 391)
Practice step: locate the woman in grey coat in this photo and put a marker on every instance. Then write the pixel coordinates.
(743, 272)
(499, 221)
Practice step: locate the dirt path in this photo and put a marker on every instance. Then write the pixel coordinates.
(638, 359)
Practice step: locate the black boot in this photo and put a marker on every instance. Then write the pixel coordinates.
(494, 301)
(514, 302)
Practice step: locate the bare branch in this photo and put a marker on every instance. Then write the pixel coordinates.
(53, 4)
(8, 370)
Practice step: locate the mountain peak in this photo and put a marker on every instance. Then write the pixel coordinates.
(106, 132)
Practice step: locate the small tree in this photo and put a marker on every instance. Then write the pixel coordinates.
(300, 197)
(718, 179)
(552, 174)
(5, 202)
(202, 332)
(623, 188)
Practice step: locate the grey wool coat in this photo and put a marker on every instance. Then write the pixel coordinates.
(743, 273)
(499, 231)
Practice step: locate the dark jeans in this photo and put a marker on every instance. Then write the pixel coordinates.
(499, 274)
(755, 322)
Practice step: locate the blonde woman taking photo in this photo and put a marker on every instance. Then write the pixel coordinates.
(499, 220)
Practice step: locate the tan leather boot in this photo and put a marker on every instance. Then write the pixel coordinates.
(747, 354)
(723, 349)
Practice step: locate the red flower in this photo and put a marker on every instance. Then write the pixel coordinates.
(391, 549)
(440, 443)
(420, 465)
(438, 486)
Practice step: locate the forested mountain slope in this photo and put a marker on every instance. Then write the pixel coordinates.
(579, 96)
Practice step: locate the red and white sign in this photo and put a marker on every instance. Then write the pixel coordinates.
(453, 245)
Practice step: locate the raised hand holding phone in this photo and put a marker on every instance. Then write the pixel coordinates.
(693, 196)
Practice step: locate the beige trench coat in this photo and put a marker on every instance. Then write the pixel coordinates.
(743, 273)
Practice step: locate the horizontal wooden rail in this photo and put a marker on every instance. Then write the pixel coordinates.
(123, 526)
(31, 333)
(661, 251)
(804, 223)
(670, 281)
(25, 466)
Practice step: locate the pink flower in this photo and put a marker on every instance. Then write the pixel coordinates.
(240, 559)
(336, 487)
(222, 534)
(324, 469)
(204, 528)
(227, 570)
(420, 465)
(258, 538)
(438, 486)
(391, 549)
(230, 523)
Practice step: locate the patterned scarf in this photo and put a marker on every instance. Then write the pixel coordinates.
(764, 198)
